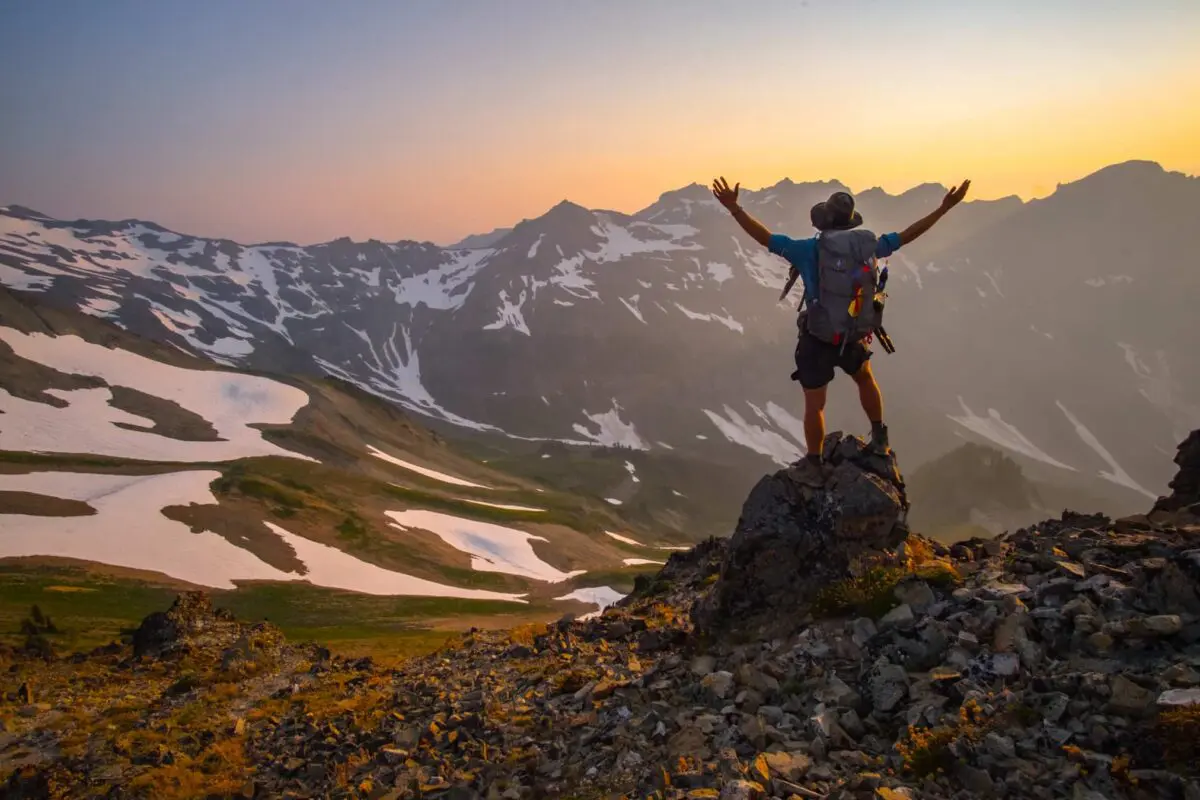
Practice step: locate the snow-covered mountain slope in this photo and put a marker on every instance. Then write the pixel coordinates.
(133, 455)
(1034, 326)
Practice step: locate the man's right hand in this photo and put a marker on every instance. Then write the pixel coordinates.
(726, 196)
(955, 195)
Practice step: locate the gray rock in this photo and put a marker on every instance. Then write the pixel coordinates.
(1129, 698)
(1163, 624)
(915, 594)
(1006, 665)
(719, 684)
(889, 687)
(837, 692)
(975, 780)
(862, 630)
(1054, 706)
(852, 724)
(899, 617)
(999, 746)
(1178, 698)
(1181, 675)
(772, 715)
(703, 665)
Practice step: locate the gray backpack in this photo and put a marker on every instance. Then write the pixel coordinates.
(844, 308)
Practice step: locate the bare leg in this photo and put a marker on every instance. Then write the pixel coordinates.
(814, 420)
(869, 394)
(872, 403)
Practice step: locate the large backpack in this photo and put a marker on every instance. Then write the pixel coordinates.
(844, 308)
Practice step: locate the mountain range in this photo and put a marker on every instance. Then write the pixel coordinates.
(1055, 329)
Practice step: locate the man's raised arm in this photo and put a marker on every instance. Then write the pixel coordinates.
(952, 198)
(729, 198)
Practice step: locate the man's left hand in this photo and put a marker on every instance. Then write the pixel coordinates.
(955, 195)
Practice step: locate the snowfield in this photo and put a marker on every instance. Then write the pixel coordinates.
(493, 548)
(88, 424)
(129, 530)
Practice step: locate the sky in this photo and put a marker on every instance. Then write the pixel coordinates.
(307, 120)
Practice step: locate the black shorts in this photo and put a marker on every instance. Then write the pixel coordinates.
(815, 360)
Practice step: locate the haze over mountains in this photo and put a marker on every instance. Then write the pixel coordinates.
(1055, 329)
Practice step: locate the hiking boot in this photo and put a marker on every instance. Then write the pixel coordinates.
(808, 471)
(879, 439)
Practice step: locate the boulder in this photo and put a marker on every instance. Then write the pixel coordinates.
(802, 529)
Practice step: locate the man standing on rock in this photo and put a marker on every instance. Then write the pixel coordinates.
(815, 358)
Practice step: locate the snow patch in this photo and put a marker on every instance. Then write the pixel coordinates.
(426, 471)
(493, 548)
(719, 272)
(534, 247)
(568, 275)
(601, 596)
(619, 243)
(1041, 333)
(992, 280)
(88, 424)
(769, 443)
(789, 424)
(632, 306)
(26, 281)
(101, 306)
(637, 562)
(439, 288)
(765, 268)
(129, 530)
(613, 501)
(1117, 474)
(503, 506)
(625, 539)
(632, 470)
(995, 429)
(612, 430)
(727, 321)
(509, 315)
(1112, 280)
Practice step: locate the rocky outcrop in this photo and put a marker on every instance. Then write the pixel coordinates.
(804, 528)
(1185, 487)
(192, 626)
(190, 622)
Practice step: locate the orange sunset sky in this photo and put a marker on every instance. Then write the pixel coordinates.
(306, 121)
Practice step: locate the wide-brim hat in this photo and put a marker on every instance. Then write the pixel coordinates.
(835, 214)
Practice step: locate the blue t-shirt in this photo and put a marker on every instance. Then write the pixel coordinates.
(802, 255)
